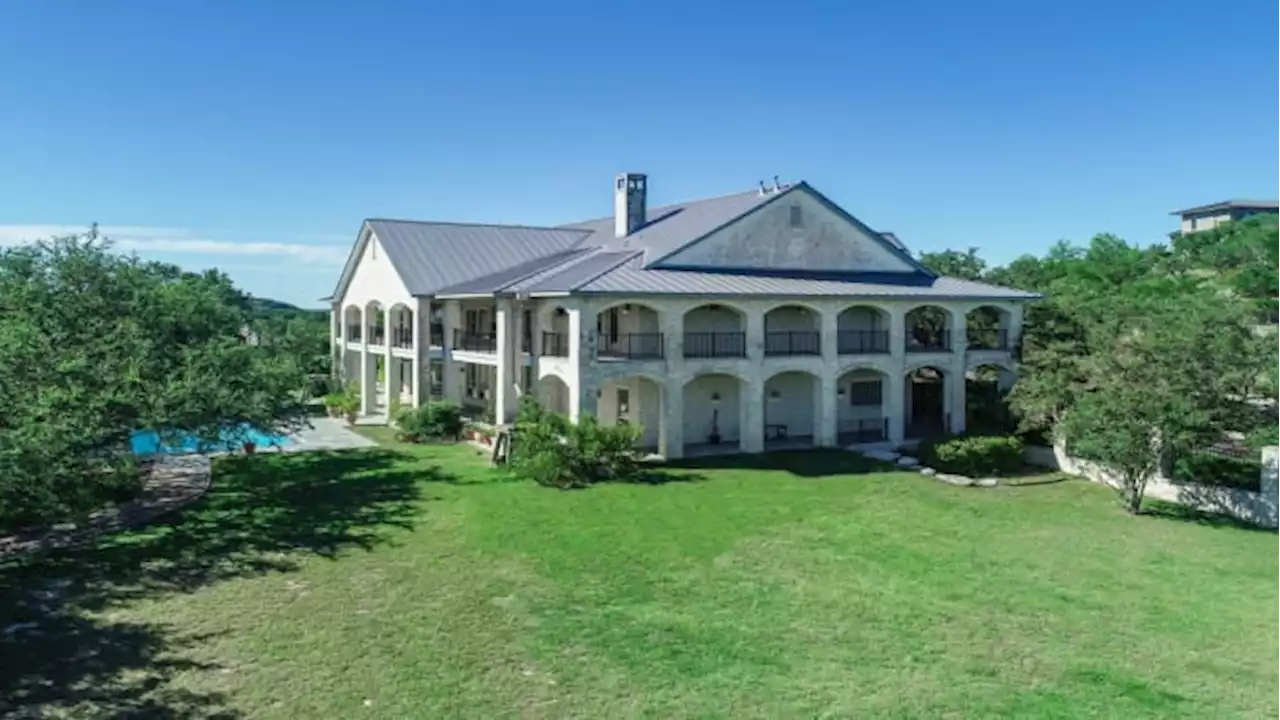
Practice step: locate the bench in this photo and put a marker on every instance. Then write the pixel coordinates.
(775, 432)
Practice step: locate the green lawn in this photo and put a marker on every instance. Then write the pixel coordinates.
(416, 582)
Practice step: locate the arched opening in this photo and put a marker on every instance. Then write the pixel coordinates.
(629, 331)
(553, 340)
(791, 410)
(375, 323)
(400, 319)
(792, 330)
(715, 330)
(713, 410)
(986, 408)
(637, 401)
(928, 329)
(862, 415)
(987, 328)
(553, 394)
(353, 318)
(925, 403)
(862, 330)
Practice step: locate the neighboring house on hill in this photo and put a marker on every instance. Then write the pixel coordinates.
(760, 319)
(1205, 217)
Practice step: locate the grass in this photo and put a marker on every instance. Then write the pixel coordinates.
(416, 582)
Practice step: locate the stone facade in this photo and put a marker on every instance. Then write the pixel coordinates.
(744, 370)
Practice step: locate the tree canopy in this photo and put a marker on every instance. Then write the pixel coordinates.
(95, 346)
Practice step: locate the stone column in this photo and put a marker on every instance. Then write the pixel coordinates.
(755, 334)
(507, 352)
(954, 391)
(826, 430)
(751, 424)
(671, 432)
(897, 332)
(388, 370)
(368, 367)
(894, 404)
(451, 371)
(341, 359)
(421, 315)
(582, 391)
(959, 330)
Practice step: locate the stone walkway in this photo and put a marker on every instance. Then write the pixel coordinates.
(173, 481)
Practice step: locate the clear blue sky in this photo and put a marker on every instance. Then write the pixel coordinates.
(255, 136)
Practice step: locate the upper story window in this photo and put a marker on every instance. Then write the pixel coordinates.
(797, 217)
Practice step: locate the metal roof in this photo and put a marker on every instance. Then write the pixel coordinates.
(670, 227)
(568, 279)
(503, 279)
(1230, 204)
(430, 256)
(681, 282)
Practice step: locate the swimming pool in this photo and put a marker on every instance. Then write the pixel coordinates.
(147, 442)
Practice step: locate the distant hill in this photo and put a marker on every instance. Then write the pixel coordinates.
(267, 306)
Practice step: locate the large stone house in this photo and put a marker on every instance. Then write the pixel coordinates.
(761, 319)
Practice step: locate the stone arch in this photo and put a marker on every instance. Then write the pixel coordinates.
(792, 406)
(400, 321)
(629, 330)
(375, 320)
(792, 328)
(862, 328)
(928, 328)
(715, 329)
(553, 330)
(987, 327)
(986, 389)
(636, 399)
(715, 409)
(552, 392)
(925, 401)
(353, 318)
(862, 404)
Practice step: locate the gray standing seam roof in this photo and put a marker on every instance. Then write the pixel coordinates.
(682, 282)
(504, 279)
(568, 279)
(414, 249)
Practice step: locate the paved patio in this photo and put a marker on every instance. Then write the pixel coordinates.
(328, 434)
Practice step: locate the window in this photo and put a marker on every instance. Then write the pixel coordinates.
(864, 392)
(797, 219)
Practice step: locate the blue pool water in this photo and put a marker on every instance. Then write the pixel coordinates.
(147, 442)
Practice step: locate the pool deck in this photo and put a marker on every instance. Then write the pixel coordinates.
(327, 434)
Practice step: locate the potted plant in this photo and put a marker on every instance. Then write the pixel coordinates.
(250, 447)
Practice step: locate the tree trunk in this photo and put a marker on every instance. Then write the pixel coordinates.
(1133, 491)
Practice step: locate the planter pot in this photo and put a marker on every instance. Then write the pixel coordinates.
(334, 412)
(250, 448)
(351, 418)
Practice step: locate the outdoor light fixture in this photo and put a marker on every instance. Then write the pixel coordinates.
(715, 397)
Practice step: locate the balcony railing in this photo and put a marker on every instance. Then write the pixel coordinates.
(939, 341)
(402, 337)
(631, 346)
(793, 342)
(436, 335)
(555, 344)
(862, 342)
(988, 339)
(436, 390)
(353, 333)
(715, 344)
(475, 342)
(377, 335)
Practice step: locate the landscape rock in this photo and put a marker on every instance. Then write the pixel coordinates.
(986, 482)
(928, 471)
(957, 480)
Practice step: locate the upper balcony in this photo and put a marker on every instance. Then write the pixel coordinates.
(474, 342)
(792, 330)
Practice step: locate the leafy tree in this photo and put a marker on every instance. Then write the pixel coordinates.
(1241, 256)
(953, 263)
(95, 346)
(554, 452)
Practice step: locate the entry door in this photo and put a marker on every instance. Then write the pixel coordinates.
(624, 406)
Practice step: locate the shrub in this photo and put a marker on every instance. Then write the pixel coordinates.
(1207, 468)
(552, 451)
(433, 421)
(974, 455)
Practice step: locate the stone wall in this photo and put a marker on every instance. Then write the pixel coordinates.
(1258, 508)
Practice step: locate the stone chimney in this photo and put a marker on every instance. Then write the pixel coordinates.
(628, 203)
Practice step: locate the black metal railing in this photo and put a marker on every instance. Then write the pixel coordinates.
(475, 342)
(862, 342)
(436, 390)
(402, 337)
(988, 339)
(555, 344)
(715, 344)
(353, 333)
(631, 346)
(864, 430)
(792, 342)
(436, 335)
(377, 335)
(937, 341)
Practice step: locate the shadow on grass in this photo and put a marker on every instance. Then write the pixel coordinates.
(1164, 510)
(804, 463)
(1033, 477)
(61, 651)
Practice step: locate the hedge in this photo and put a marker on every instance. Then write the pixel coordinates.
(974, 455)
